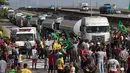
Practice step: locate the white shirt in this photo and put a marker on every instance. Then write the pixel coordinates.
(50, 44)
(73, 68)
(124, 54)
(86, 45)
(75, 47)
(47, 43)
(3, 66)
(113, 64)
(101, 56)
(34, 53)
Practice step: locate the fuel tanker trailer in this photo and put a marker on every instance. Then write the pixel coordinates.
(91, 28)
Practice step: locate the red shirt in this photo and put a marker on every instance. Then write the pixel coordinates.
(83, 52)
(51, 59)
(128, 60)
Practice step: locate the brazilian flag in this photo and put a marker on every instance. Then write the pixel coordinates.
(129, 6)
(121, 27)
(29, 17)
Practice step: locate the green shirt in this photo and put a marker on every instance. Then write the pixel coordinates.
(12, 71)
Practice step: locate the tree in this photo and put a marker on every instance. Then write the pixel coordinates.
(3, 2)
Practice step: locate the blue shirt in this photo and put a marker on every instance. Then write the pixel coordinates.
(56, 56)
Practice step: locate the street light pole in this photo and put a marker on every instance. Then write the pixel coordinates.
(55, 5)
(73, 3)
(96, 3)
(91, 7)
(25, 3)
(37, 3)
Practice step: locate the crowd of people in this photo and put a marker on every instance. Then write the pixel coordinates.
(68, 55)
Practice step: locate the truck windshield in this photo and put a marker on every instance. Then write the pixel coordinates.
(96, 29)
(24, 37)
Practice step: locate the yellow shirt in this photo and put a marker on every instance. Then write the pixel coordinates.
(56, 46)
(25, 70)
(41, 43)
(60, 63)
(20, 58)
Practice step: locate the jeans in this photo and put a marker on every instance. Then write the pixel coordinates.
(101, 66)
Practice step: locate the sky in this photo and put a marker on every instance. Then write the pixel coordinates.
(40, 3)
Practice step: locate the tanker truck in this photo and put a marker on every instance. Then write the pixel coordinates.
(88, 28)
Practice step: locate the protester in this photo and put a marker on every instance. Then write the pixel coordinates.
(12, 69)
(60, 64)
(3, 65)
(51, 62)
(25, 69)
(72, 68)
(28, 47)
(128, 61)
(34, 56)
(101, 57)
(113, 65)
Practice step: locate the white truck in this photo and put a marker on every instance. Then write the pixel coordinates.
(95, 28)
(83, 7)
(26, 33)
(10, 14)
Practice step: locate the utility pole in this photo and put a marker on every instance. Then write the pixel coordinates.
(96, 3)
(37, 3)
(18, 3)
(55, 5)
(73, 3)
(25, 3)
(91, 7)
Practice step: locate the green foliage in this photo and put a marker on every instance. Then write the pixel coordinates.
(3, 2)
(3, 32)
(3, 13)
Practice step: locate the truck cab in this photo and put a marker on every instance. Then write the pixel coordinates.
(84, 7)
(106, 9)
(23, 34)
(95, 29)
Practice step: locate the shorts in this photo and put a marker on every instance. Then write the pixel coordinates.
(55, 67)
(51, 67)
(113, 72)
(34, 60)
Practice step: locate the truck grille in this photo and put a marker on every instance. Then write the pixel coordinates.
(98, 38)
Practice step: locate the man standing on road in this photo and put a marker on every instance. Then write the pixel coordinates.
(51, 62)
(28, 46)
(100, 56)
(3, 65)
(34, 56)
(112, 65)
(25, 69)
(60, 64)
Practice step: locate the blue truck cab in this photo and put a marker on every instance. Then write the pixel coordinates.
(108, 8)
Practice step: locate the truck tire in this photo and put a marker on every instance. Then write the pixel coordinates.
(101, 10)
